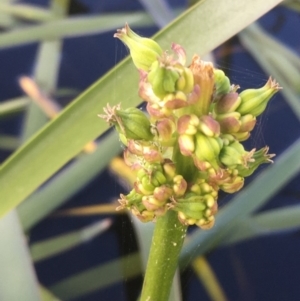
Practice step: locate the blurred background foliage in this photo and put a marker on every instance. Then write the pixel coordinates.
(65, 241)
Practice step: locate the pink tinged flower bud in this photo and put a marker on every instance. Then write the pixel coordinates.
(209, 126)
(165, 129)
(180, 52)
(143, 51)
(175, 100)
(247, 123)
(145, 216)
(186, 144)
(204, 78)
(157, 112)
(227, 103)
(151, 203)
(206, 224)
(229, 122)
(180, 185)
(162, 193)
(233, 186)
(187, 124)
(254, 101)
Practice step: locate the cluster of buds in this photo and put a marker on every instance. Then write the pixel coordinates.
(188, 146)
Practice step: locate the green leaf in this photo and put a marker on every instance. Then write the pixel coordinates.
(266, 223)
(13, 106)
(18, 281)
(71, 27)
(67, 182)
(65, 136)
(98, 277)
(42, 250)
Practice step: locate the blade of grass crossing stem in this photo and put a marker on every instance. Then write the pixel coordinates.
(18, 281)
(208, 279)
(267, 223)
(67, 182)
(249, 199)
(98, 277)
(50, 247)
(55, 145)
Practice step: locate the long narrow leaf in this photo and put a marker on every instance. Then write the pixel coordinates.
(64, 137)
(72, 27)
(98, 277)
(52, 246)
(17, 278)
(271, 222)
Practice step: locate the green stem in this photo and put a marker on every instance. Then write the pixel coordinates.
(167, 241)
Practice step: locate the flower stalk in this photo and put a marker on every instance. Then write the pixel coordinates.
(186, 150)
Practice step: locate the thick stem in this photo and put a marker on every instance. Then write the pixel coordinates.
(167, 241)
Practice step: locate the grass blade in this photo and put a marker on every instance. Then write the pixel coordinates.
(52, 246)
(98, 277)
(18, 281)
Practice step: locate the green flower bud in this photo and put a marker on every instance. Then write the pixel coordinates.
(207, 149)
(227, 103)
(191, 205)
(131, 199)
(143, 51)
(162, 79)
(131, 122)
(222, 83)
(233, 154)
(259, 157)
(254, 101)
(185, 82)
(134, 124)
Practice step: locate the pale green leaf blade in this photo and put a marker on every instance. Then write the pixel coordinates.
(18, 280)
(67, 182)
(98, 277)
(64, 137)
(71, 27)
(50, 247)
(267, 223)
